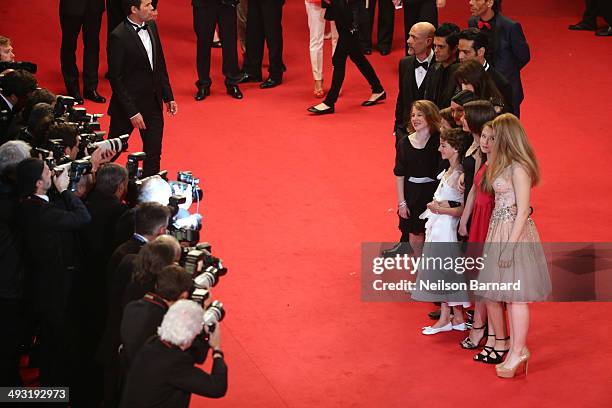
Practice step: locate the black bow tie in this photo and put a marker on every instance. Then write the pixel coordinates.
(138, 28)
(423, 64)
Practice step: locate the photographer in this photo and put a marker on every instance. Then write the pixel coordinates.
(15, 87)
(11, 272)
(37, 130)
(6, 50)
(7, 58)
(163, 372)
(20, 121)
(131, 279)
(52, 252)
(153, 189)
(141, 318)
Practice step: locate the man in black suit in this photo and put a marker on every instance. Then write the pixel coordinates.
(15, 88)
(443, 85)
(74, 15)
(139, 79)
(264, 24)
(207, 14)
(53, 259)
(507, 51)
(163, 372)
(415, 71)
(473, 46)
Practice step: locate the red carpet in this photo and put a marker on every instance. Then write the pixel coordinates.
(290, 198)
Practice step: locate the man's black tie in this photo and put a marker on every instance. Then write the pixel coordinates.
(423, 64)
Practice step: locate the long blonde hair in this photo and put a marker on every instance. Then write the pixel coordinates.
(511, 145)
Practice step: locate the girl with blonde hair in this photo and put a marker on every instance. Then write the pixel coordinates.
(515, 269)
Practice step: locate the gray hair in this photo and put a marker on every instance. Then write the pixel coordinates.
(12, 153)
(182, 323)
(155, 189)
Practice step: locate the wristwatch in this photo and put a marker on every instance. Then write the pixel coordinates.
(218, 352)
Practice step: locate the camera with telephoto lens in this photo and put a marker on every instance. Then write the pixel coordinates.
(199, 261)
(118, 144)
(76, 169)
(215, 313)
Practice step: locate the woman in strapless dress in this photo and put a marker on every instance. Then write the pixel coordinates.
(513, 251)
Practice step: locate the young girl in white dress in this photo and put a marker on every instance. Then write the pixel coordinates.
(443, 214)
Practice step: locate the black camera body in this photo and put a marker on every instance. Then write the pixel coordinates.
(25, 65)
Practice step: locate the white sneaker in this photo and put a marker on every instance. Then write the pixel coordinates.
(435, 330)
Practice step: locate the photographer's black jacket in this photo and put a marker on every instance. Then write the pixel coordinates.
(11, 268)
(51, 248)
(164, 376)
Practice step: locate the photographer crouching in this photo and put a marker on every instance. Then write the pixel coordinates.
(163, 373)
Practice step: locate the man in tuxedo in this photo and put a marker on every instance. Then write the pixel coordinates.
(507, 51)
(443, 86)
(139, 79)
(207, 14)
(74, 16)
(264, 24)
(414, 71)
(473, 45)
(53, 256)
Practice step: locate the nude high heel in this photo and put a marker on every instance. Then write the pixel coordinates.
(510, 372)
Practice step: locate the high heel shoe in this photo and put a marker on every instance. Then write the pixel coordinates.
(510, 372)
(491, 355)
(468, 344)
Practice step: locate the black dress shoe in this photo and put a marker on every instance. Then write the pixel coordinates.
(270, 83)
(249, 78)
(401, 248)
(234, 91)
(203, 92)
(582, 26)
(380, 97)
(77, 97)
(385, 52)
(94, 96)
(604, 32)
(316, 111)
(367, 52)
